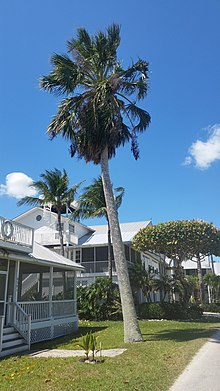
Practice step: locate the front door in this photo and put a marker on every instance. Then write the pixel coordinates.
(3, 285)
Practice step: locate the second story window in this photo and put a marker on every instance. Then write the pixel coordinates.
(78, 256)
(71, 228)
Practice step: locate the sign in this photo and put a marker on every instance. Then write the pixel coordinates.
(7, 229)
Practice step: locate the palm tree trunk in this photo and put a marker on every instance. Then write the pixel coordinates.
(131, 328)
(62, 250)
(109, 252)
(60, 232)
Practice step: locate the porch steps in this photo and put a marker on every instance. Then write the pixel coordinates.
(12, 342)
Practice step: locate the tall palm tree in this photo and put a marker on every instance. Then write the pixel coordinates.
(53, 189)
(91, 203)
(97, 115)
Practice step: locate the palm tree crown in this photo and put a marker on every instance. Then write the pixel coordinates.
(91, 202)
(100, 108)
(53, 189)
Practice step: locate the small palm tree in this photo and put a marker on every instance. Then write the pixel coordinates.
(92, 204)
(142, 279)
(53, 189)
(98, 114)
(164, 284)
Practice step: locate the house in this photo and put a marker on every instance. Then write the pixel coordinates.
(87, 245)
(37, 290)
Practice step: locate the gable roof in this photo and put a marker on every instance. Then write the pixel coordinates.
(40, 208)
(100, 234)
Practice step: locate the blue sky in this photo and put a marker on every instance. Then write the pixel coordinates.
(177, 176)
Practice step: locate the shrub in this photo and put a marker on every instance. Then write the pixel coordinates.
(212, 307)
(99, 301)
(171, 311)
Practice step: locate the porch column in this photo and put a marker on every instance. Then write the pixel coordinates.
(16, 281)
(50, 291)
(74, 293)
(16, 286)
(51, 303)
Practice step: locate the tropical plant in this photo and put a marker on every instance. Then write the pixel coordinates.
(193, 287)
(91, 203)
(98, 114)
(165, 285)
(179, 241)
(99, 301)
(88, 343)
(212, 282)
(141, 279)
(53, 189)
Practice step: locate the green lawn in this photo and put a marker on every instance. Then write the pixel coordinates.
(151, 365)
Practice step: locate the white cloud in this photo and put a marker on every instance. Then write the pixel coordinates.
(17, 185)
(203, 153)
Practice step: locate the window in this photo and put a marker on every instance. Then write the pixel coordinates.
(78, 256)
(88, 254)
(133, 255)
(71, 228)
(101, 254)
(127, 253)
(38, 217)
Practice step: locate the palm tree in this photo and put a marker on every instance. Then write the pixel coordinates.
(53, 189)
(141, 279)
(164, 284)
(97, 115)
(92, 204)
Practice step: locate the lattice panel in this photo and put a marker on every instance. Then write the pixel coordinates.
(63, 329)
(42, 334)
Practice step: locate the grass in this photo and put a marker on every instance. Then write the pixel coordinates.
(152, 365)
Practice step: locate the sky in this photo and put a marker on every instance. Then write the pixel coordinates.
(177, 175)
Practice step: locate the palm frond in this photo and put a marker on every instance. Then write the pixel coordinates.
(81, 44)
(141, 117)
(33, 201)
(64, 77)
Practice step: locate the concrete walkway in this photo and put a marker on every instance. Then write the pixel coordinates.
(203, 372)
(74, 353)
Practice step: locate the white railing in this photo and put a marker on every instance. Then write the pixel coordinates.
(13, 232)
(39, 310)
(2, 319)
(45, 310)
(53, 238)
(20, 320)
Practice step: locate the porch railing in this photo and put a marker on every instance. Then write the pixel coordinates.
(43, 310)
(20, 320)
(13, 232)
(2, 319)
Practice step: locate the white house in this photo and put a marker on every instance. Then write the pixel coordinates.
(37, 290)
(87, 245)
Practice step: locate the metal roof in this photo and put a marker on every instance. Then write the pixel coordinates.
(44, 254)
(100, 234)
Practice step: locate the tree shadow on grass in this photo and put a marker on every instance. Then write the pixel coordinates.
(181, 335)
(72, 339)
